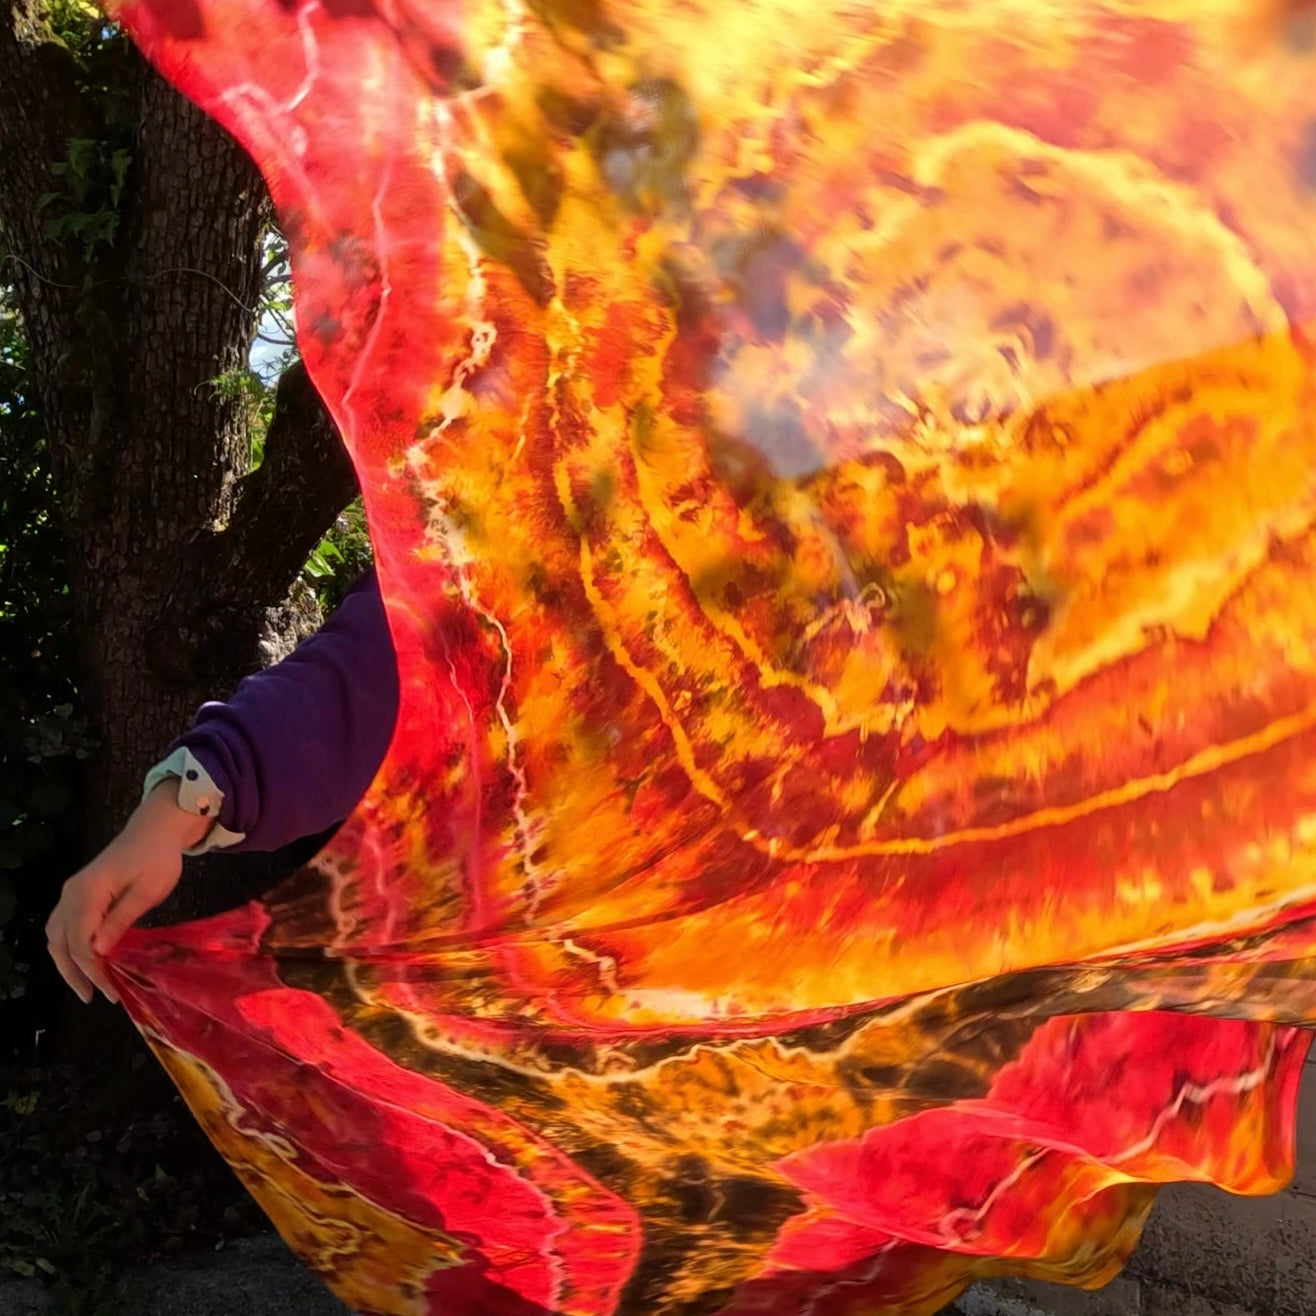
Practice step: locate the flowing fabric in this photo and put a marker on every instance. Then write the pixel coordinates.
(844, 484)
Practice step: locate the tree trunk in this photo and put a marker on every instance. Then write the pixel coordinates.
(178, 552)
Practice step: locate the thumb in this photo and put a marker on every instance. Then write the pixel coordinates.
(135, 900)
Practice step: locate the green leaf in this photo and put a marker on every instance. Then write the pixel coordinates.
(119, 163)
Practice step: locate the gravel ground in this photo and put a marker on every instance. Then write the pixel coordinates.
(91, 1187)
(253, 1277)
(260, 1277)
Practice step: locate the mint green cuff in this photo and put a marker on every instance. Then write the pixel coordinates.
(197, 793)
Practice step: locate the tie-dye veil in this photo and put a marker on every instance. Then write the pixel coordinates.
(843, 477)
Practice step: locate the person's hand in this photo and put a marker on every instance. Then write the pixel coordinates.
(133, 874)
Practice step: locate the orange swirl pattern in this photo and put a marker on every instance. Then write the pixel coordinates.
(844, 483)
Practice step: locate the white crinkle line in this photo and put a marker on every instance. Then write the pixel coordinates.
(606, 965)
(1198, 1094)
(262, 110)
(450, 539)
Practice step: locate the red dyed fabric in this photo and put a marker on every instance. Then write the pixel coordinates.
(844, 488)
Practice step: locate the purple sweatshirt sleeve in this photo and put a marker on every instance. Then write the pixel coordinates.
(296, 746)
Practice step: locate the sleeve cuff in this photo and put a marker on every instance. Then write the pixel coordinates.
(197, 793)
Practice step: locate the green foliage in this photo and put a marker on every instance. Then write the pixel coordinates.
(254, 384)
(42, 743)
(345, 551)
(86, 209)
(340, 557)
(256, 397)
(89, 1188)
(103, 58)
(53, 1235)
(80, 27)
(275, 334)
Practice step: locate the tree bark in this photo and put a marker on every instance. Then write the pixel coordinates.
(177, 552)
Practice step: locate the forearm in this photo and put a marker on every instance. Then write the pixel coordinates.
(160, 820)
(295, 748)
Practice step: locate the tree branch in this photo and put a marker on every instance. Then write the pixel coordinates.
(286, 506)
(283, 509)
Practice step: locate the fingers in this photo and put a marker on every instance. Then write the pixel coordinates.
(57, 944)
(99, 904)
(70, 930)
(131, 904)
(93, 968)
